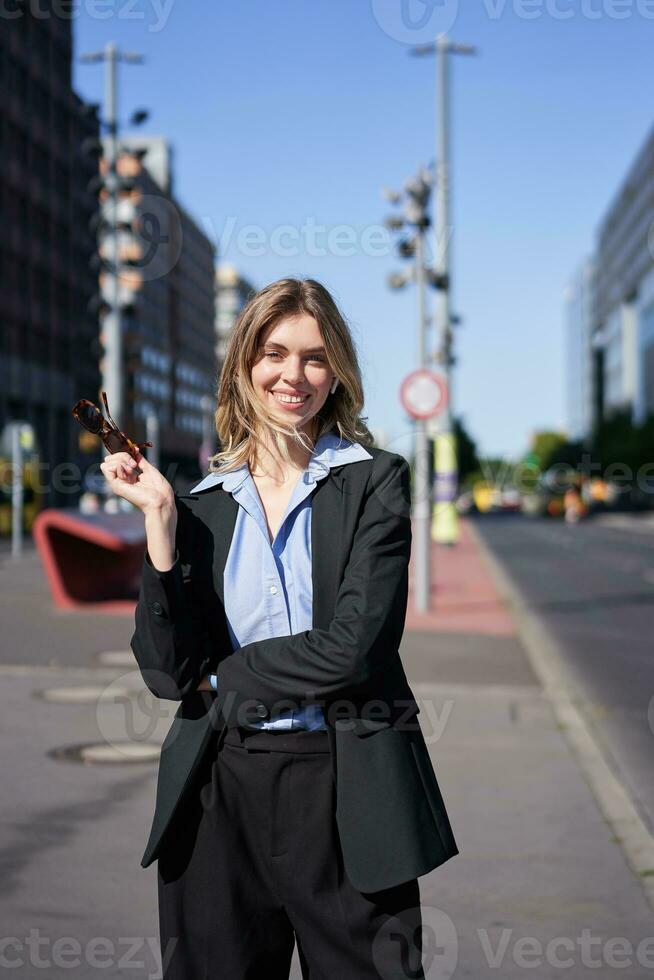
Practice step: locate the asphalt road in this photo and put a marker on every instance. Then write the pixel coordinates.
(593, 586)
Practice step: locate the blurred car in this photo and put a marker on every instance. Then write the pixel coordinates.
(465, 503)
(511, 500)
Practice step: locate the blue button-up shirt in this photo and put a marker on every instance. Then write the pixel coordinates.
(268, 588)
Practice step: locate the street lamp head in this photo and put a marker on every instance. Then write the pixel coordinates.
(406, 248)
(394, 222)
(418, 188)
(422, 49)
(463, 49)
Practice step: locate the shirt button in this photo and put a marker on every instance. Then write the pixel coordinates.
(273, 590)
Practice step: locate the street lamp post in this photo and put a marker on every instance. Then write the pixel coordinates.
(112, 327)
(418, 193)
(446, 466)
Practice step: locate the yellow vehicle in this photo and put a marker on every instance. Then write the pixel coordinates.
(483, 494)
(31, 499)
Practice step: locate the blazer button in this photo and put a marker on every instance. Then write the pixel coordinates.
(261, 710)
(157, 608)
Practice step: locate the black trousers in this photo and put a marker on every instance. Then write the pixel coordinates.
(252, 864)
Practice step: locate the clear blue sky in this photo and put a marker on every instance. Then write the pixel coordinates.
(298, 112)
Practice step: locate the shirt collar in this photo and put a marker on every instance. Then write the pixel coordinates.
(330, 450)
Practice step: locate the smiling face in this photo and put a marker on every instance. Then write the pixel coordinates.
(291, 374)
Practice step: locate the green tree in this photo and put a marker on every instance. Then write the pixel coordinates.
(468, 460)
(618, 440)
(543, 446)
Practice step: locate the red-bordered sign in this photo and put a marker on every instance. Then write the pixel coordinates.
(423, 394)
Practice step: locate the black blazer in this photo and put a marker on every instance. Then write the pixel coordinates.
(391, 818)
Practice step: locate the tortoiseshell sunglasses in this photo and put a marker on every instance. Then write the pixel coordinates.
(90, 416)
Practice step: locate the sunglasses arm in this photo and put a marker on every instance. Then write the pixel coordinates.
(106, 405)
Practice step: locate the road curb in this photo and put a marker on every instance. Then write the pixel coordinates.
(563, 691)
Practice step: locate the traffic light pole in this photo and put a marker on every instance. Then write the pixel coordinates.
(418, 192)
(422, 507)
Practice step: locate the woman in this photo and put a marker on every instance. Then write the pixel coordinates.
(296, 801)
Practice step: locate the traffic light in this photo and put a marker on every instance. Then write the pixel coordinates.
(437, 279)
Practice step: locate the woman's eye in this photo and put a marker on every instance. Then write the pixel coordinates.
(314, 357)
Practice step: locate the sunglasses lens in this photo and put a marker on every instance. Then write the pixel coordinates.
(114, 442)
(90, 417)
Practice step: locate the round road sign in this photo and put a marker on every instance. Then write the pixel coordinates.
(423, 394)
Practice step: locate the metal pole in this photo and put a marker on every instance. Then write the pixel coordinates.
(16, 492)
(422, 508)
(112, 327)
(152, 435)
(443, 206)
(445, 524)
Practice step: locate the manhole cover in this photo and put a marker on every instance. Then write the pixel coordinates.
(83, 694)
(105, 752)
(117, 658)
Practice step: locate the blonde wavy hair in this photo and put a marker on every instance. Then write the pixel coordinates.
(241, 418)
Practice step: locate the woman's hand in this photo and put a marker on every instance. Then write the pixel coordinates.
(205, 684)
(138, 481)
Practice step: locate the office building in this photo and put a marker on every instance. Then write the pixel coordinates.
(623, 294)
(232, 293)
(47, 334)
(609, 309)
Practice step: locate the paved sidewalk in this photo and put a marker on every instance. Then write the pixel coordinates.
(537, 863)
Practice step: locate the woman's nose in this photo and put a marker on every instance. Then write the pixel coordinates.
(294, 372)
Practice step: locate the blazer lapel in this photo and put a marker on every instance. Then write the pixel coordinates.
(224, 521)
(327, 514)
